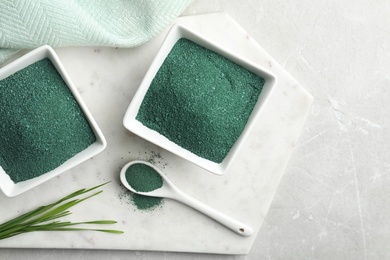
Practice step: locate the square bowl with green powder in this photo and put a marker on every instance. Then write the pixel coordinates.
(45, 128)
(198, 100)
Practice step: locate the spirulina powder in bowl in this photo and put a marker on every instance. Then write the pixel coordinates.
(42, 125)
(200, 100)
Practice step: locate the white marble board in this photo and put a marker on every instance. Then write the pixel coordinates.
(245, 192)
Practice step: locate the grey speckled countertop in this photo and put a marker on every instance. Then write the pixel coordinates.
(333, 199)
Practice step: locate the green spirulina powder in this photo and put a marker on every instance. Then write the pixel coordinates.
(42, 125)
(144, 178)
(200, 100)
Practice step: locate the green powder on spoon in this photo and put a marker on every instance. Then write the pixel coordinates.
(144, 178)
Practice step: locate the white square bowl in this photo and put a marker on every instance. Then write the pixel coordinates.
(132, 124)
(12, 189)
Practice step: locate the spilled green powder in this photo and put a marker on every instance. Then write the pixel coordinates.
(145, 203)
(42, 125)
(144, 178)
(200, 100)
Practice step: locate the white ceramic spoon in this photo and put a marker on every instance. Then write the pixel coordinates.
(169, 190)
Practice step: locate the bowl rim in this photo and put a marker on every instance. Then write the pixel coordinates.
(8, 187)
(176, 32)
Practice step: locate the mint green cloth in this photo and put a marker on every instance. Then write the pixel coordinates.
(27, 24)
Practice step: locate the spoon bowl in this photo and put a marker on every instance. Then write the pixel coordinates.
(169, 190)
(165, 191)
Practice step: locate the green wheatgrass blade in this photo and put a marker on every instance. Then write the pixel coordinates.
(64, 207)
(22, 218)
(96, 187)
(41, 209)
(37, 220)
(97, 222)
(65, 226)
(62, 214)
(62, 226)
(112, 231)
(52, 214)
(79, 192)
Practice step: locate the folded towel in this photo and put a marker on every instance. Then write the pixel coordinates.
(26, 24)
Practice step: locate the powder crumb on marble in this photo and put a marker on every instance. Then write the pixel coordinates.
(152, 156)
(140, 204)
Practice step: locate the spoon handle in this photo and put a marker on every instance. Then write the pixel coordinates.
(229, 222)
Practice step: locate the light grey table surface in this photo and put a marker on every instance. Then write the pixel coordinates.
(333, 201)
